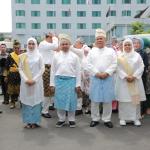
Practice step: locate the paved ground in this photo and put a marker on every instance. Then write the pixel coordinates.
(14, 137)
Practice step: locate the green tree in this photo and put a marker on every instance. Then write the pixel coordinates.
(138, 28)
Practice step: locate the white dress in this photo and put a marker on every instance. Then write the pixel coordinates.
(32, 95)
(127, 110)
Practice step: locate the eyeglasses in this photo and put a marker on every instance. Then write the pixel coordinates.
(16, 47)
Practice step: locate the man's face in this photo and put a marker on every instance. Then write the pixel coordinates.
(49, 38)
(78, 45)
(100, 42)
(17, 49)
(3, 48)
(64, 46)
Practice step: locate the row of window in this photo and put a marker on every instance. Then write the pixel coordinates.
(53, 25)
(68, 13)
(83, 1)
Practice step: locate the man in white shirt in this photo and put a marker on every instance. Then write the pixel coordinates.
(102, 63)
(65, 81)
(47, 48)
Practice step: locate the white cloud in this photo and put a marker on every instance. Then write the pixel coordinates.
(5, 16)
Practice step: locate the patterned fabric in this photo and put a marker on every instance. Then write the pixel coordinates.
(13, 76)
(85, 82)
(31, 114)
(46, 81)
(65, 95)
(102, 90)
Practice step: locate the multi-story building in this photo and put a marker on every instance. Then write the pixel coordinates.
(76, 17)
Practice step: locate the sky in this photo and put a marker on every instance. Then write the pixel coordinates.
(5, 16)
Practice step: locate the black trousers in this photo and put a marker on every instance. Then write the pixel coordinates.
(4, 88)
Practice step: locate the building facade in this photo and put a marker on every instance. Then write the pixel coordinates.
(76, 17)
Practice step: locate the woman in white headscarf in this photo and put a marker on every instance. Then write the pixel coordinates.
(31, 68)
(130, 90)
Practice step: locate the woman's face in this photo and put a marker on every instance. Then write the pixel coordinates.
(127, 47)
(31, 45)
(136, 44)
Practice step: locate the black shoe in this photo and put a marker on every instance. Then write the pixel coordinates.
(108, 124)
(51, 108)
(94, 123)
(60, 124)
(87, 112)
(72, 124)
(46, 115)
(5, 102)
(1, 112)
(79, 112)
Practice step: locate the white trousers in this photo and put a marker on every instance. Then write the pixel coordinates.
(95, 112)
(79, 103)
(48, 101)
(62, 115)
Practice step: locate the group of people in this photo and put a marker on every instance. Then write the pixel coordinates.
(71, 76)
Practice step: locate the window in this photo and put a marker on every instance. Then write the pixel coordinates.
(81, 1)
(51, 2)
(51, 25)
(81, 13)
(141, 1)
(51, 13)
(66, 26)
(20, 13)
(81, 26)
(35, 13)
(66, 13)
(20, 1)
(126, 1)
(35, 1)
(66, 1)
(20, 25)
(36, 26)
(111, 1)
(126, 13)
(96, 1)
(96, 13)
(112, 13)
(96, 25)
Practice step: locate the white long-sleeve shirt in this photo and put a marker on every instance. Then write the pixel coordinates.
(101, 60)
(47, 50)
(66, 64)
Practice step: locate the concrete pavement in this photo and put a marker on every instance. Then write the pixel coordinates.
(14, 137)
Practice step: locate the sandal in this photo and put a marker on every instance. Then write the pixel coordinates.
(28, 126)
